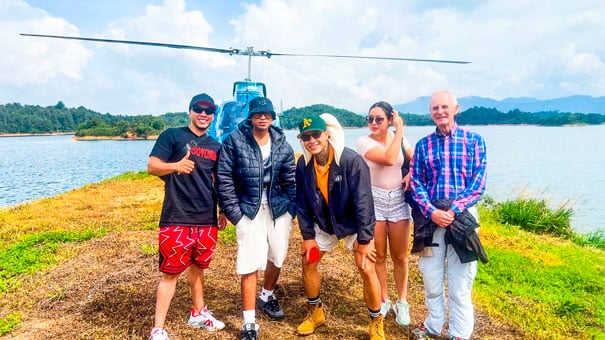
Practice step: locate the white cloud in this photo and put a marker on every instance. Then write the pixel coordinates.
(517, 48)
(27, 63)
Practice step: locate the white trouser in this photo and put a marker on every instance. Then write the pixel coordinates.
(460, 277)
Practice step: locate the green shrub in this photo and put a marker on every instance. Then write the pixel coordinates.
(534, 215)
(593, 239)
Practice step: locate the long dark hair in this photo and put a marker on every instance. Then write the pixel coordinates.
(386, 108)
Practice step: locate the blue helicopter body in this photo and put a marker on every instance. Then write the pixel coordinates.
(230, 113)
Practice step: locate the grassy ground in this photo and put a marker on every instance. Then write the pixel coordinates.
(94, 274)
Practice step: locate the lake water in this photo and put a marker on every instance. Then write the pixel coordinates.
(562, 164)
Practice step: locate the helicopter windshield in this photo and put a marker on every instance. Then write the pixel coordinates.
(232, 112)
(226, 120)
(245, 91)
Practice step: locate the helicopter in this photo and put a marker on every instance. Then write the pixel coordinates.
(231, 112)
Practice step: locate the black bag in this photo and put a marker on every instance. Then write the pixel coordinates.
(405, 170)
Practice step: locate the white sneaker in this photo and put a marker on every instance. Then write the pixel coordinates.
(384, 307)
(205, 320)
(402, 313)
(158, 333)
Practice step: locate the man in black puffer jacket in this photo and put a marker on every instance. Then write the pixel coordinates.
(257, 193)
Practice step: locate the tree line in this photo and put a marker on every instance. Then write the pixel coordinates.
(32, 119)
(472, 116)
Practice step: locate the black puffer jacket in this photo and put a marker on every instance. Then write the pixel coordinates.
(351, 207)
(240, 175)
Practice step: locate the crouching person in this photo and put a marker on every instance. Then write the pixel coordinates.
(334, 201)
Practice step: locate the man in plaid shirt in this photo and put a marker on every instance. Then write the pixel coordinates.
(449, 164)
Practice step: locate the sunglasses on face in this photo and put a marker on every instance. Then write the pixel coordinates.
(259, 115)
(307, 136)
(372, 119)
(199, 109)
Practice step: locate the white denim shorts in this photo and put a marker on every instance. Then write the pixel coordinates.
(390, 205)
(262, 239)
(327, 242)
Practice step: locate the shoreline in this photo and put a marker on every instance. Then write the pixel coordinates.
(36, 134)
(85, 138)
(93, 138)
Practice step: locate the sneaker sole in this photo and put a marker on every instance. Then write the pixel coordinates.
(402, 324)
(215, 329)
(276, 318)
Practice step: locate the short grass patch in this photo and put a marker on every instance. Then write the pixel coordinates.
(148, 249)
(9, 322)
(539, 280)
(36, 252)
(227, 235)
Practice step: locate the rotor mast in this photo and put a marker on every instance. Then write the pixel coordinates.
(250, 52)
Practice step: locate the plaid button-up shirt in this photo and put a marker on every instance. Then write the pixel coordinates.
(451, 166)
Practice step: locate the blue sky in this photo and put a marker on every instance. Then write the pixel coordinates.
(518, 49)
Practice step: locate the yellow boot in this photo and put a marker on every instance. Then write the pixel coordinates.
(376, 328)
(315, 318)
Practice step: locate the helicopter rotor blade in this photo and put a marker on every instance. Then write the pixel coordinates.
(249, 51)
(270, 54)
(145, 43)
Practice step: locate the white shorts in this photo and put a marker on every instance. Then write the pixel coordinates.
(327, 242)
(390, 205)
(262, 239)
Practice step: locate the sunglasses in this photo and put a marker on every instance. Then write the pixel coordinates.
(307, 136)
(259, 115)
(378, 120)
(199, 109)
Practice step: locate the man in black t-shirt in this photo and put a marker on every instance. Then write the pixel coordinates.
(185, 159)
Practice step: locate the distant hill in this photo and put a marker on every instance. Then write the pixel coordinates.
(572, 104)
(33, 119)
(16, 118)
(292, 117)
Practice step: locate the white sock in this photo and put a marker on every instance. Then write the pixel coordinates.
(250, 316)
(265, 295)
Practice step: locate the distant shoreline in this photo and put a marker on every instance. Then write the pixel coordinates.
(91, 138)
(35, 134)
(85, 138)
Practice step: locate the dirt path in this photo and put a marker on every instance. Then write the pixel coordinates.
(107, 291)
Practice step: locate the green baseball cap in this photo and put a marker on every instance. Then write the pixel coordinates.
(311, 123)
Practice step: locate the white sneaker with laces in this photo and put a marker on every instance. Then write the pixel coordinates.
(384, 307)
(159, 333)
(205, 320)
(402, 313)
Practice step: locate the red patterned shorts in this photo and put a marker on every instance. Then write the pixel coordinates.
(182, 246)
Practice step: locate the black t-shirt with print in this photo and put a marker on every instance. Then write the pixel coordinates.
(189, 200)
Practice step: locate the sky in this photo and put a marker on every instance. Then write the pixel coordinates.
(543, 50)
